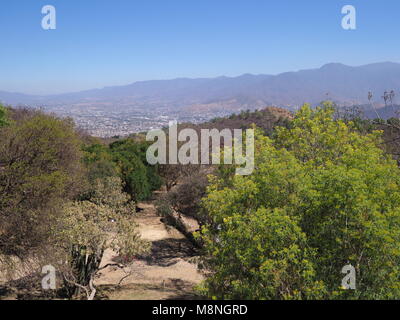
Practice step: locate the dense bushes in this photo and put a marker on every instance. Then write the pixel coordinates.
(62, 196)
(39, 169)
(139, 177)
(322, 196)
(3, 116)
(126, 159)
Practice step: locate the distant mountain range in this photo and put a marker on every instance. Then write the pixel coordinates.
(343, 84)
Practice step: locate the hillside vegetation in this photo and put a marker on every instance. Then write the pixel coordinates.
(324, 194)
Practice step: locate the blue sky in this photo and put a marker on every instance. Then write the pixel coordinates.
(99, 43)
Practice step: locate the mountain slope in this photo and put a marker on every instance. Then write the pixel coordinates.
(341, 83)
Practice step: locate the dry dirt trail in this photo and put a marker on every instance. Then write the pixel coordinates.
(169, 271)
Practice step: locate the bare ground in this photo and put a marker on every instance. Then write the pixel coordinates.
(168, 272)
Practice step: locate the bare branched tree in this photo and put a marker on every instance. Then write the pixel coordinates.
(391, 97)
(370, 96)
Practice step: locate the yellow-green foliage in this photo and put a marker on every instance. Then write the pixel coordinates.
(39, 169)
(322, 196)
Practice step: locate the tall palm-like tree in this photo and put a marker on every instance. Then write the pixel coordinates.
(385, 97)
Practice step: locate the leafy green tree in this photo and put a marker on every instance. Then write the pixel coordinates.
(263, 255)
(139, 177)
(322, 196)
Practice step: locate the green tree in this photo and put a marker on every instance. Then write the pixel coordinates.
(40, 168)
(139, 178)
(99, 165)
(3, 116)
(322, 196)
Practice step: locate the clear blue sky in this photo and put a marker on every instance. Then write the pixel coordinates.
(113, 42)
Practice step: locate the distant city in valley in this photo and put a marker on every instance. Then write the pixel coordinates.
(110, 121)
(146, 105)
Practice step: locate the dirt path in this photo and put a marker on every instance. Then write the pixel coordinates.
(168, 272)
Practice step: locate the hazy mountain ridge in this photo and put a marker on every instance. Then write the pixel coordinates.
(343, 84)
